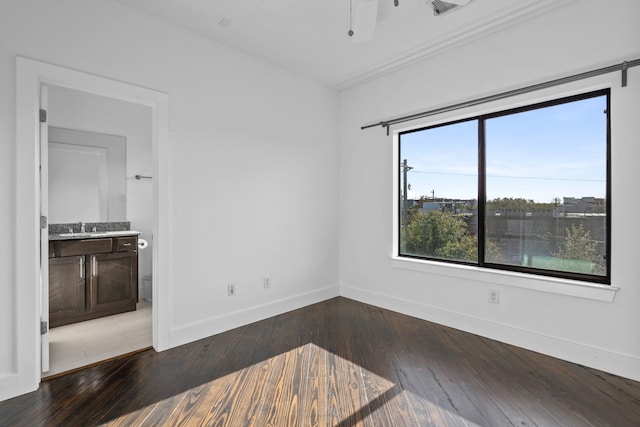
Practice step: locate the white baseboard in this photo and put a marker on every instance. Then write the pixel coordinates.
(605, 360)
(12, 386)
(218, 324)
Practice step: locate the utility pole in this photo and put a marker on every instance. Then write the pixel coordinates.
(405, 208)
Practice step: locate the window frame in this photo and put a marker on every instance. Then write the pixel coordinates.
(530, 105)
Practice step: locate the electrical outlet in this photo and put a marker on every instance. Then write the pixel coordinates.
(231, 289)
(265, 282)
(494, 296)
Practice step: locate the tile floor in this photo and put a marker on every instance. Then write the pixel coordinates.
(80, 344)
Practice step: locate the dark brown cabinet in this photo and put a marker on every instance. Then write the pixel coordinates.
(111, 273)
(91, 278)
(66, 288)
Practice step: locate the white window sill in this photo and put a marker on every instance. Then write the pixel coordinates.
(507, 278)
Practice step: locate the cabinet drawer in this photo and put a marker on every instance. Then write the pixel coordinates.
(83, 247)
(126, 244)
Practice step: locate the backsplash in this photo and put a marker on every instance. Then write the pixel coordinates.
(55, 229)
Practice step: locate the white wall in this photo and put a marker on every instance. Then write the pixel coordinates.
(255, 175)
(577, 37)
(253, 172)
(72, 109)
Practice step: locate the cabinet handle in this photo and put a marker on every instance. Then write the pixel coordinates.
(126, 244)
(95, 267)
(82, 267)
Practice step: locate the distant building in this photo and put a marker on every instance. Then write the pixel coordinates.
(431, 206)
(455, 206)
(572, 206)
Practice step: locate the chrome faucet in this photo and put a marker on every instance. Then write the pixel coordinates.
(82, 229)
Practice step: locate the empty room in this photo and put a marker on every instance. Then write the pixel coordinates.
(331, 213)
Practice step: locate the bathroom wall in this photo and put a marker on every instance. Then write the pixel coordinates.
(72, 109)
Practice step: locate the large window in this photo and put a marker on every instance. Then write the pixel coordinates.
(524, 190)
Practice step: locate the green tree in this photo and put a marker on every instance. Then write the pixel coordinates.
(440, 235)
(579, 246)
(493, 253)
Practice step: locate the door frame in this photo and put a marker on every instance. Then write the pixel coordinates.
(44, 232)
(30, 76)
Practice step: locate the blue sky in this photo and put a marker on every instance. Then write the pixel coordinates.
(541, 154)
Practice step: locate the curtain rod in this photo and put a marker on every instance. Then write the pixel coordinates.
(623, 67)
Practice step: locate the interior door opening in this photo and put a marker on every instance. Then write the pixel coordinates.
(94, 149)
(31, 75)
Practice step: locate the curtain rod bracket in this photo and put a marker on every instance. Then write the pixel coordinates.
(382, 124)
(625, 67)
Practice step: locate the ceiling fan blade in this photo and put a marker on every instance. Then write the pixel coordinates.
(440, 7)
(365, 15)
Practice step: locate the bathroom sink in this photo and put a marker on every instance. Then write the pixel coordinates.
(74, 234)
(113, 233)
(94, 234)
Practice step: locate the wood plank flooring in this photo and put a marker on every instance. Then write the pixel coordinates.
(338, 363)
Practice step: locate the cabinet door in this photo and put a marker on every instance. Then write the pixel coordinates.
(113, 282)
(66, 289)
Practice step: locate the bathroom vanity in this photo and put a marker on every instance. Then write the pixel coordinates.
(92, 275)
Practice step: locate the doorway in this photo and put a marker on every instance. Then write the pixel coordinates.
(97, 146)
(30, 77)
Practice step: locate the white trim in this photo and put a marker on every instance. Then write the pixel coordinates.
(12, 385)
(613, 362)
(30, 75)
(512, 16)
(218, 324)
(513, 279)
(531, 281)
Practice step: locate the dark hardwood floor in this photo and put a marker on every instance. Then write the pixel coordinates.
(337, 363)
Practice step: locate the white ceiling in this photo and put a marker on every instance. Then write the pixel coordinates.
(310, 37)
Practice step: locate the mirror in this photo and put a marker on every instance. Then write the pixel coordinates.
(87, 176)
